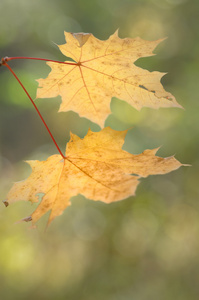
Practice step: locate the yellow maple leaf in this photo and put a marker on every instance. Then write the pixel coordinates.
(102, 70)
(95, 166)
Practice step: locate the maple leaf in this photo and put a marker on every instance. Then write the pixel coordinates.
(95, 166)
(102, 70)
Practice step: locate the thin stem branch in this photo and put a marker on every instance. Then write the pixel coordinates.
(10, 69)
(44, 59)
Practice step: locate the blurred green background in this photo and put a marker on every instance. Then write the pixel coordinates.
(145, 247)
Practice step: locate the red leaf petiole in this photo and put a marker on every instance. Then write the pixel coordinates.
(4, 62)
(6, 59)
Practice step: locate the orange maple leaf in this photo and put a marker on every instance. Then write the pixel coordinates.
(102, 70)
(95, 166)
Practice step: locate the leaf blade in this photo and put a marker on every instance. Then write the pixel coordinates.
(95, 166)
(104, 69)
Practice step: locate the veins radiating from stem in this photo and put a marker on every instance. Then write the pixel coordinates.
(4, 62)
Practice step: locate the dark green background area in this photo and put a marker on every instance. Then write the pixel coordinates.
(145, 247)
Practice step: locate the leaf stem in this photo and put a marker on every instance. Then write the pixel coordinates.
(44, 59)
(3, 62)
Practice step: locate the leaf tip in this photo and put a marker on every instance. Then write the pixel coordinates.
(155, 150)
(5, 202)
(162, 39)
(27, 219)
(186, 165)
(116, 32)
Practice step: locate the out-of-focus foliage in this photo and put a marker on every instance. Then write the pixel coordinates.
(145, 247)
